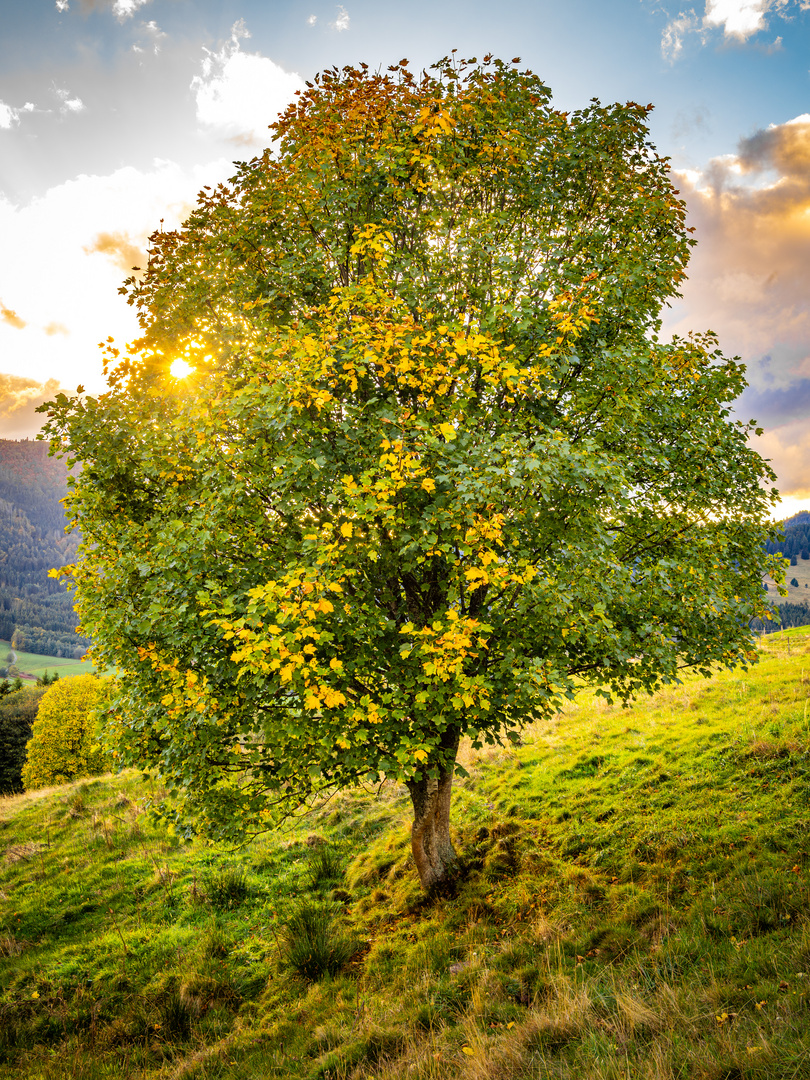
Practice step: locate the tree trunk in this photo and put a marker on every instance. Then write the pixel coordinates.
(432, 848)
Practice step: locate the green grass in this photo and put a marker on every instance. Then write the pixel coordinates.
(34, 666)
(633, 902)
(795, 594)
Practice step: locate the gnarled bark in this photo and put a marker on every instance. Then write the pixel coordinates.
(432, 848)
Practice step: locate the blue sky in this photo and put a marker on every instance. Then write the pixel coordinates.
(113, 114)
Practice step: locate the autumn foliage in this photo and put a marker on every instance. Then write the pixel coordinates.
(64, 744)
(433, 469)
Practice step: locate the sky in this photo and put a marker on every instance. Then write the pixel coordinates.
(115, 113)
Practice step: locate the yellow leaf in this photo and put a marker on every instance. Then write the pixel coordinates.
(468, 1050)
(346, 528)
(448, 431)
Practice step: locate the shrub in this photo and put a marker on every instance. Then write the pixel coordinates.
(794, 583)
(18, 710)
(63, 744)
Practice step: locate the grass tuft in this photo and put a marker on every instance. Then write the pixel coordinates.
(325, 866)
(226, 887)
(313, 946)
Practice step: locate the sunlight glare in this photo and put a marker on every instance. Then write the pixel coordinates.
(180, 369)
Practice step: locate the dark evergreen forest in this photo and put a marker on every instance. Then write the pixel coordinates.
(796, 542)
(795, 545)
(36, 613)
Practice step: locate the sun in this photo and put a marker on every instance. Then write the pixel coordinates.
(180, 369)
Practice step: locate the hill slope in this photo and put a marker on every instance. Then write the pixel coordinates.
(35, 611)
(634, 902)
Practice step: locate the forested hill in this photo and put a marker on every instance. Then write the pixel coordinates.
(797, 536)
(35, 611)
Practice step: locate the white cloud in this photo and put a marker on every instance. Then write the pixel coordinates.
(151, 39)
(65, 255)
(239, 94)
(675, 32)
(67, 103)
(10, 117)
(125, 9)
(739, 20)
(342, 20)
(312, 20)
(62, 5)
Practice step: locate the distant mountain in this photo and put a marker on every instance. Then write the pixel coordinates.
(797, 536)
(793, 610)
(802, 518)
(36, 613)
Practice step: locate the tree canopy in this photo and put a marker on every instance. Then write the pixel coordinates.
(64, 744)
(432, 470)
(18, 710)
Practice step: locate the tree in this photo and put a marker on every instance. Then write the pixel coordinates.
(64, 745)
(18, 710)
(432, 470)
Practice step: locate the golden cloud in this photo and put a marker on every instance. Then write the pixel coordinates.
(749, 280)
(119, 246)
(750, 273)
(11, 317)
(19, 398)
(56, 328)
(788, 448)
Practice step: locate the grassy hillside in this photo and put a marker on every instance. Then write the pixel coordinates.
(795, 594)
(35, 609)
(634, 903)
(34, 666)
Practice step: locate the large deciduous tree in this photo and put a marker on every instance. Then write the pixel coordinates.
(432, 470)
